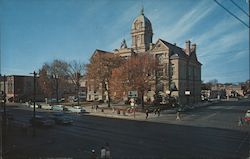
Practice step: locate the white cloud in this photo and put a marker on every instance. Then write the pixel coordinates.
(221, 43)
(187, 22)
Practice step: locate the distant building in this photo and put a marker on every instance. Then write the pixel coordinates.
(230, 90)
(179, 71)
(18, 88)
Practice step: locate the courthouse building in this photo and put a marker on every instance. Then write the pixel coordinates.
(179, 72)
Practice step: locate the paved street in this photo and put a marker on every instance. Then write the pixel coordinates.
(220, 115)
(206, 132)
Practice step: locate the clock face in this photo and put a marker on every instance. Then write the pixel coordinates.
(137, 25)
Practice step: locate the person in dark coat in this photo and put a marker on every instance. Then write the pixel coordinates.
(146, 113)
(158, 111)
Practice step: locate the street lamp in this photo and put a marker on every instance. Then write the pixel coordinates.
(3, 102)
(34, 101)
(168, 92)
(187, 93)
(78, 87)
(34, 94)
(56, 77)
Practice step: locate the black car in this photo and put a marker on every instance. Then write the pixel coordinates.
(41, 121)
(61, 119)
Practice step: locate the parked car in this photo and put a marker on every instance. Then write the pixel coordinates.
(60, 118)
(76, 109)
(58, 107)
(46, 106)
(247, 116)
(32, 106)
(41, 121)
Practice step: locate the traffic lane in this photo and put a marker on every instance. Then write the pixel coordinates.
(175, 141)
(229, 111)
(23, 113)
(160, 140)
(225, 106)
(137, 139)
(109, 124)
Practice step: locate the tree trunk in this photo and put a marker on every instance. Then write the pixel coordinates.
(108, 99)
(142, 100)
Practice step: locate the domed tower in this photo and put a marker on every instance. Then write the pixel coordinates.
(142, 33)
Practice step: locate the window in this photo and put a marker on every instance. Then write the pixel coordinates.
(160, 86)
(159, 72)
(159, 58)
(166, 70)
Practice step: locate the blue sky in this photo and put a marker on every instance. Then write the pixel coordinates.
(37, 31)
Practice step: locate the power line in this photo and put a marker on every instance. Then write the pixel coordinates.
(239, 8)
(231, 13)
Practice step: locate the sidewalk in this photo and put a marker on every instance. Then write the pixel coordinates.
(108, 112)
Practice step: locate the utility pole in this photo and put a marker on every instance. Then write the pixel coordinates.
(3, 120)
(56, 78)
(57, 91)
(4, 97)
(78, 88)
(34, 95)
(34, 102)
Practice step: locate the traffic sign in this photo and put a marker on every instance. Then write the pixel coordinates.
(187, 93)
(132, 94)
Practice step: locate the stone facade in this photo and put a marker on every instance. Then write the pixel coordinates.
(179, 70)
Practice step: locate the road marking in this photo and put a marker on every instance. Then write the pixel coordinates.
(215, 107)
(209, 116)
(242, 142)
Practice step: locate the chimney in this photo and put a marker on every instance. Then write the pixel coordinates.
(188, 42)
(193, 48)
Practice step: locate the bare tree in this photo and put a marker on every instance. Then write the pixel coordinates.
(52, 78)
(75, 71)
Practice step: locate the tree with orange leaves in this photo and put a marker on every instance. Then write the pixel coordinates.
(135, 74)
(99, 70)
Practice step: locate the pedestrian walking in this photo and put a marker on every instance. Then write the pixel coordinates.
(96, 107)
(158, 111)
(108, 155)
(93, 154)
(240, 123)
(103, 153)
(146, 113)
(178, 115)
(155, 111)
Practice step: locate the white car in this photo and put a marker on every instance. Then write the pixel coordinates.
(32, 106)
(76, 109)
(46, 106)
